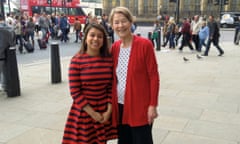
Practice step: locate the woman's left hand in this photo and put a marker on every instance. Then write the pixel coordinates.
(152, 114)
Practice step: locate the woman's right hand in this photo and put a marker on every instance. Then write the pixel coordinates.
(94, 115)
(97, 116)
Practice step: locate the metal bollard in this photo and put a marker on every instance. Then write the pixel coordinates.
(12, 77)
(159, 40)
(55, 63)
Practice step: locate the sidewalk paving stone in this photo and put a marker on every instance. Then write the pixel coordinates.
(199, 101)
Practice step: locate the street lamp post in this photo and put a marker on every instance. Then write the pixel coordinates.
(9, 8)
(65, 9)
(177, 10)
(63, 6)
(2, 8)
(51, 7)
(220, 8)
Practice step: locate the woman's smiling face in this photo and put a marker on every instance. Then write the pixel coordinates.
(121, 25)
(94, 40)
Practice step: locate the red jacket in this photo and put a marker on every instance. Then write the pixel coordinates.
(142, 84)
(186, 28)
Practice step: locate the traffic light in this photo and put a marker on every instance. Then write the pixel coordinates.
(49, 1)
(226, 2)
(172, 1)
(216, 2)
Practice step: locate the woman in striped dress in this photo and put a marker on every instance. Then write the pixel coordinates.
(90, 81)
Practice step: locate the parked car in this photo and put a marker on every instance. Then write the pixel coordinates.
(229, 19)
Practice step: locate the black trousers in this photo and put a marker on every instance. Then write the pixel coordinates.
(215, 42)
(133, 135)
(186, 41)
(195, 39)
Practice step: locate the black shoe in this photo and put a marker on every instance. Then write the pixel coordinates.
(221, 54)
(204, 54)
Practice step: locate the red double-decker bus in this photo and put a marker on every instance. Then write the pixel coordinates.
(71, 8)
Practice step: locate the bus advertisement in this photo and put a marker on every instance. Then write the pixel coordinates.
(71, 8)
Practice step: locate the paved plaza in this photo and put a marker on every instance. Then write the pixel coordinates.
(199, 101)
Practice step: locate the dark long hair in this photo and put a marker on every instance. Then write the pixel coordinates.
(104, 50)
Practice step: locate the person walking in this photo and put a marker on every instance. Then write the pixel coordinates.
(9, 20)
(165, 36)
(36, 21)
(186, 33)
(135, 81)
(172, 30)
(30, 28)
(90, 82)
(18, 32)
(237, 33)
(108, 28)
(170, 34)
(44, 25)
(77, 27)
(195, 27)
(214, 35)
(203, 35)
(63, 24)
(154, 36)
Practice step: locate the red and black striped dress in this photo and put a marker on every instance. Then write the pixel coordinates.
(90, 81)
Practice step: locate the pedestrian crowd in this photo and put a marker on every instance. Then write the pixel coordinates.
(55, 26)
(197, 31)
(27, 27)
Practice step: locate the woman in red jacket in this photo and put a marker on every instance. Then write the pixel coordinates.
(135, 81)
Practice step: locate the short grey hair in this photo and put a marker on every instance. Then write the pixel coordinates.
(121, 10)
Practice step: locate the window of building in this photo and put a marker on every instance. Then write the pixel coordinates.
(235, 5)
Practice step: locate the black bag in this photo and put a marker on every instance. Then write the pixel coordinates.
(42, 44)
(28, 46)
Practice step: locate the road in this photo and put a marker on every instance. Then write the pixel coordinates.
(70, 48)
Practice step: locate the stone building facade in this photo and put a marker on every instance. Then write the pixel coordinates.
(149, 9)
